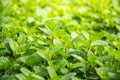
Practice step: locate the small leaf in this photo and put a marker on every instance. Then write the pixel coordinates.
(118, 27)
(12, 46)
(40, 70)
(30, 20)
(41, 54)
(75, 78)
(25, 71)
(78, 57)
(4, 63)
(64, 70)
(30, 38)
(112, 75)
(102, 72)
(99, 43)
(46, 31)
(74, 35)
(57, 45)
(33, 59)
(37, 77)
(52, 72)
(68, 76)
(78, 52)
(21, 76)
(86, 35)
(77, 65)
(56, 42)
(99, 63)
(91, 57)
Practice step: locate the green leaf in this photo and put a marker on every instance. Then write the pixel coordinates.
(30, 19)
(12, 46)
(75, 78)
(114, 53)
(40, 70)
(118, 27)
(78, 52)
(77, 65)
(4, 63)
(91, 57)
(68, 76)
(57, 45)
(8, 77)
(21, 76)
(52, 72)
(41, 54)
(86, 35)
(37, 77)
(102, 72)
(46, 31)
(25, 71)
(99, 43)
(78, 57)
(64, 70)
(74, 35)
(33, 59)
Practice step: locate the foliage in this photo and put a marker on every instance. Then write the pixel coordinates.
(59, 39)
